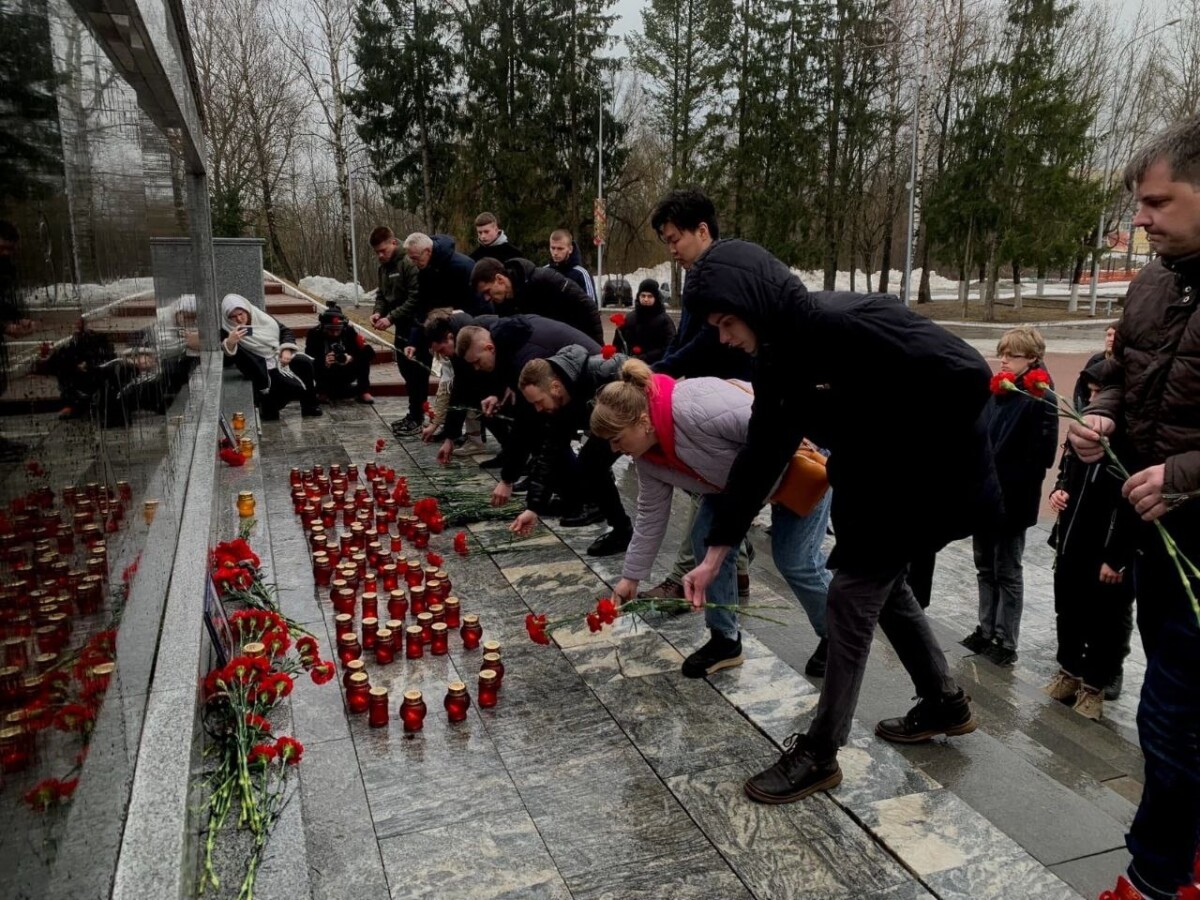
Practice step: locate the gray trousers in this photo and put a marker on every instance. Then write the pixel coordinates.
(858, 601)
(1001, 585)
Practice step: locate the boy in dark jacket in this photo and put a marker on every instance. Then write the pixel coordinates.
(1024, 435)
(820, 363)
(341, 357)
(493, 242)
(518, 287)
(648, 329)
(1093, 592)
(566, 261)
(562, 388)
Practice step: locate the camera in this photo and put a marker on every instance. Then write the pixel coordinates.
(338, 349)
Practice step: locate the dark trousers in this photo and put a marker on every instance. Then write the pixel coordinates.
(1166, 829)
(857, 601)
(272, 389)
(415, 373)
(345, 380)
(1092, 620)
(920, 578)
(1001, 578)
(586, 477)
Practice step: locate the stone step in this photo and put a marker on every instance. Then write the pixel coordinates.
(272, 288)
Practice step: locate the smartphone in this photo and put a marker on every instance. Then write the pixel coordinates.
(247, 330)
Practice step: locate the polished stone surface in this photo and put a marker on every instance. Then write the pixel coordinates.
(604, 773)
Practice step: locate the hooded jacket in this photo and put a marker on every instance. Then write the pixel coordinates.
(499, 249)
(446, 281)
(696, 350)
(544, 292)
(1153, 393)
(267, 337)
(399, 295)
(572, 268)
(895, 398)
(583, 374)
(648, 330)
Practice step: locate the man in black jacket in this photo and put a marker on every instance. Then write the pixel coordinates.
(561, 388)
(493, 242)
(822, 365)
(566, 261)
(518, 287)
(501, 351)
(445, 274)
(398, 303)
(341, 357)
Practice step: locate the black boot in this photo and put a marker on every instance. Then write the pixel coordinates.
(586, 515)
(1112, 690)
(798, 773)
(719, 653)
(976, 642)
(612, 542)
(948, 715)
(815, 667)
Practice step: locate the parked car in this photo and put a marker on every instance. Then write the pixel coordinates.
(617, 292)
(664, 288)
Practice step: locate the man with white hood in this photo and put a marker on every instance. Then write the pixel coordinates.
(266, 352)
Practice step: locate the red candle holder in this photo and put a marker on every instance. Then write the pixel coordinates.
(488, 689)
(370, 629)
(377, 707)
(412, 711)
(352, 668)
(457, 701)
(391, 579)
(492, 661)
(414, 644)
(418, 601)
(471, 631)
(385, 646)
(336, 584)
(453, 612)
(425, 623)
(343, 623)
(433, 590)
(322, 570)
(358, 694)
(397, 604)
(348, 647)
(294, 477)
(420, 536)
(439, 642)
(397, 543)
(491, 647)
(414, 577)
(370, 605)
(345, 600)
(444, 578)
(438, 611)
(16, 749)
(16, 653)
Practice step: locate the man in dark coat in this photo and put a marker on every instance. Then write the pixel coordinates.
(445, 274)
(398, 303)
(566, 261)
(493, 242)
(518, 287)
(341, 357)
(501, 351)
(648, 330)
(862, 375)
(1152, 401)
(562, 388)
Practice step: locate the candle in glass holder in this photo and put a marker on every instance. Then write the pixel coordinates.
(413, 577)
(438, 611)
(397, 543)
(15, 652)
(355, 665)
(295, 477)
(247, 447)
(457, 701)
(471, 631)
(397, 629)
(342, 623)
(433, 590)
(245, 504)
(377, 707)
(487, 688)
(412, 711)
(239, 424)
(391, 579)
(385, 646)
(370, 604)
(418, 601)
(370, 626)
(420, 536)
(414, 644)
(425, 621)
(442, 576)
(358, 693)
(344, 600)
(453, 610)
(492, 661)
(322, 569)
(397, 604)
(16, 749)
(149, 511)
(348, 647)
(439, 642)
(255, 650)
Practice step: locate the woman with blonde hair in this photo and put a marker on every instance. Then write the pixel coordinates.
(687, 434)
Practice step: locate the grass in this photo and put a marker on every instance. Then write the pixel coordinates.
(1034, 309)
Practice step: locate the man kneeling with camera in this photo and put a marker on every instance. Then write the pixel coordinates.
(341, 357)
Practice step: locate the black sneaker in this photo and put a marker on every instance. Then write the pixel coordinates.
(815, 667)
(929, 718)
(406, 428)
(797, 774)
(1112, 690)
(311, 412)
(719, 653)
(976, 642)
(612, 542)
(588, 515)
(496, 462)
(521, 486)
(1002, 656)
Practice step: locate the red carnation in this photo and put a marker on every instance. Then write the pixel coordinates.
(323, 672)
(1037, 382)
(593, 622)
(460, 543)
(276, 686)
(617, 319)
(255, 722)
(606, 610)
(434, 559)
(379, 445)
(43, 794)
(66, 789)
(1002, 382)
(262, 754)
(308, 648)
(637, 351)
(290, 750)
(536, 626)
(608, 351)
(232, 457)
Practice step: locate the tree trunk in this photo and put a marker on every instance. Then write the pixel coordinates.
(1016, 285)
(991, 277)
(837, 78)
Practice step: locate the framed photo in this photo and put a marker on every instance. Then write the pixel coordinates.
(227, 431)
(217, 623)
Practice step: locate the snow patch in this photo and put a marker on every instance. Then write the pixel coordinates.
(331, 290)
(90, 294)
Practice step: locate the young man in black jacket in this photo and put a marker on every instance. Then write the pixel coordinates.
(493, 242)
(398, 303)
(566, 261)
(821, 365)
(341, 357)
(518, 287)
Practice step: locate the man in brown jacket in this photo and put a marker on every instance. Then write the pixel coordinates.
(1152, 405)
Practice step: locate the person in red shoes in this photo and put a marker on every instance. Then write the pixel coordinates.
(1152, 402)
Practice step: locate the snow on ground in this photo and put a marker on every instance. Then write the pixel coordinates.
(333, 291)
(89, 295)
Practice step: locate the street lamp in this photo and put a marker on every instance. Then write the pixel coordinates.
(1108, 173)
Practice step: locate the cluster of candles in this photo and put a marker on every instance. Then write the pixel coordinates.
(57, 567)
(364, 562)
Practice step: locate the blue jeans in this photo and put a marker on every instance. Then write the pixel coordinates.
(796, 549)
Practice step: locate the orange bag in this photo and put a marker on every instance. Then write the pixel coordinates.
(804, 482)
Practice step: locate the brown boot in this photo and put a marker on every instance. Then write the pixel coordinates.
(668, 589)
